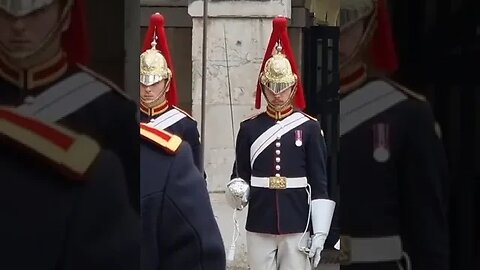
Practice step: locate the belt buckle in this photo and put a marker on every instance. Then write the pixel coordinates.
(345, 250)
(277, 182)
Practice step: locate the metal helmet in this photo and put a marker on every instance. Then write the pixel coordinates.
(279, 70)
(277, 75)
(153, 66)
(155, 61)
(353, 11)
(377, 33)
(73, 38)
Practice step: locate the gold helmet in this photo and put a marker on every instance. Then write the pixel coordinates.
(279, 70)
(277, 75)
(153, 66)
(155, 61)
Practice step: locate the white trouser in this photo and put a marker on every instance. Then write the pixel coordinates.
(276, 252)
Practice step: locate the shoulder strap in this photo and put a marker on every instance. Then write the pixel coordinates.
(309, 116)
(252, 116)
(104, 80)
(59, 146)
(407, 91)
(165, 140)
(184, 112)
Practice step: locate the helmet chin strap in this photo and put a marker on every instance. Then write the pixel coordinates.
(156, 101)
(55, 32)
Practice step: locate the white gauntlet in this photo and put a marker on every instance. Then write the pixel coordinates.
(322, 214)
(237, 193)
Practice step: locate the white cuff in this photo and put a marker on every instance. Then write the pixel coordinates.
(322, 214)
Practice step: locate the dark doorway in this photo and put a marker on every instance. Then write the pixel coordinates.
(439, 48)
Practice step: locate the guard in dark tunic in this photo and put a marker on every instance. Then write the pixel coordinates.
(46, 79)
(158, 89)
(280, 169)
(393, 208)
(64, 204)
(179, 228)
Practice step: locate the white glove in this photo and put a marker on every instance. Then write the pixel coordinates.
(322, 214)
(318, 241)
(237, 193)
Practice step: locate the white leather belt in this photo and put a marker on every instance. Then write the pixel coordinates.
(366, 250)
(278, 182)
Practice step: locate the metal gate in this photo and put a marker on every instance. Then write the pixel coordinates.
(321, 81)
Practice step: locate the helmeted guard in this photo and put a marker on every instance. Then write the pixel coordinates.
(64, 202)
(179, 228)
(158, 89)
(392, 164)
(280, 168)
(43, 50)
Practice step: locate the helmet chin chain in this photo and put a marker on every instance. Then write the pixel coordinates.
(156, 101)
(58, 28)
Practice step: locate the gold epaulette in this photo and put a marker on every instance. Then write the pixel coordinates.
(184, 112)
(252, 116)
(407, 91)
(71, 152)
(165, 140)
(106, 81)
(309, 116)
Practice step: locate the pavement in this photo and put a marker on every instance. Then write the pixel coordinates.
(224, 215)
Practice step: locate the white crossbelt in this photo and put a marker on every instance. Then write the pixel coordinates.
(366, 103)
(373, 249)
(271, 134)
(167, 119)
(291, 182)
(65, 97)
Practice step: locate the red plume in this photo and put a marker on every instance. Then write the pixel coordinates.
(157, 28)
(74, 39)
(280, 34)
(383, 47)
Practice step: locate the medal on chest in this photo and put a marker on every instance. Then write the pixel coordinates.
(298, 138)
(381, 143)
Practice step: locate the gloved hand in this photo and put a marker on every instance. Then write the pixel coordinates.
(316, 247)
(237, 193)
(322, 213)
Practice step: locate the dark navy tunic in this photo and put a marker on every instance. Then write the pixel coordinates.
(400, 193)
(179, 227)
(282, 211)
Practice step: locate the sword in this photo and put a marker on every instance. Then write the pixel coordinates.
(236, 232)
(204, 83)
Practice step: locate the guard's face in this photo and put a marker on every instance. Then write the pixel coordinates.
(278, 99)
(154, 92)
(25, 33)
(349, 40)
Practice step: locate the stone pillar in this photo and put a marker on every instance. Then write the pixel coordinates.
(246, 27)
